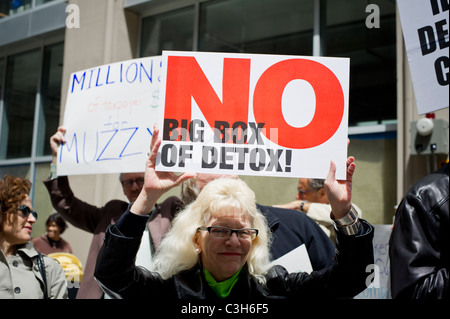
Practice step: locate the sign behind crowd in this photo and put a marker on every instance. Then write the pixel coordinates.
(109, 116)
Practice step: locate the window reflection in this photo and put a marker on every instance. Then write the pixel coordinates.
(372, 54)
(169, 31)
(11, 7)
(50, 97)
(257, 26)
(22, 75)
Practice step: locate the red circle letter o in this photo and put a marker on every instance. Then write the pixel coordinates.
(267, 106)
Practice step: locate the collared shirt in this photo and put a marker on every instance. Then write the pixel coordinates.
(20, 277)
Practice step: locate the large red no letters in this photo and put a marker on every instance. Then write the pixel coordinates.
(186, 80)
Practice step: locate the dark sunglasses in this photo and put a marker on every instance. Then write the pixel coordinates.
(26, 211)
(129, 182)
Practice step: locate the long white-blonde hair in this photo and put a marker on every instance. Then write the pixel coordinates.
(177, 251)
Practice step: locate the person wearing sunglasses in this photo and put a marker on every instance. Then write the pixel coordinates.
(218, 247)
(95, 220)
(312, 200)
(20, 275)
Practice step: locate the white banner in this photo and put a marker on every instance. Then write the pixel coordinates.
(425, 29)
(109, 115)
(250, 114)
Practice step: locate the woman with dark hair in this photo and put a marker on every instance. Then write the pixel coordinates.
(24, 273)
(52, 242)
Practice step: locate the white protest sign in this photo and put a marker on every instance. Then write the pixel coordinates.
(425, 26)
(296, 260)
(109, 115)
(378, 275)
(250, 114)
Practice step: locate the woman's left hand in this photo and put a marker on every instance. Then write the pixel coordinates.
(339, 192)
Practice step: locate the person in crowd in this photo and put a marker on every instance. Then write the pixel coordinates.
(52, 242)
(419, 247)
(218, 246)
(312, 200)
(95, 220)
(24, 273)
(289, 229)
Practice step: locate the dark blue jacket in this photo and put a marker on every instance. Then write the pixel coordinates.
(291, 229)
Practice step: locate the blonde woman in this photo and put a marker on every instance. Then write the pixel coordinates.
(217, 248)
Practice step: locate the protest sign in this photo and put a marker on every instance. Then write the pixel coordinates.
(425, 30)
(109, 115)
(297, 260)
(378, 275)
(250, 114)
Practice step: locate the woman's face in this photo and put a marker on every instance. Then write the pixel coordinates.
(53, 231)
(223, 257)
(17, 228)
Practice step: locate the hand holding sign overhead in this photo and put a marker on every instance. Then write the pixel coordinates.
(156, 183)
(55, 142)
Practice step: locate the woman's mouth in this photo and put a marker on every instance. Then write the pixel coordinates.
(230, 254)
(28, 228)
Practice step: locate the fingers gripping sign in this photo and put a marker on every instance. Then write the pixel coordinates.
(156, 182)
(339, 192)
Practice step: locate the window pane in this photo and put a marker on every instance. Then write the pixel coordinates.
(372, 55)
(22, 171)
(41, 201)
(168, 31)
(39, 2)
(14, 6)
(2, 72)
(50, 97)
(22, 73)
(257, 26)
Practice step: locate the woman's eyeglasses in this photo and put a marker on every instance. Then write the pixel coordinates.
(26, 211)
(225, 232)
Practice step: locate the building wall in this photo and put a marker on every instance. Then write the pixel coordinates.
(107, 34)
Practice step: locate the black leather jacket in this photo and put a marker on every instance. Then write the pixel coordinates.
(120, 278)
(419, 246)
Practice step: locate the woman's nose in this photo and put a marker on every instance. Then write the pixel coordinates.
(234, 239)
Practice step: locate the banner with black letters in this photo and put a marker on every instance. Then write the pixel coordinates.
(425, 25)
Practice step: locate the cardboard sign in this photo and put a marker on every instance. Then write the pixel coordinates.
(425, 26)
(109, 115)
(249, 114)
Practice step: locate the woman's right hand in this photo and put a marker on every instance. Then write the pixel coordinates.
(156, 182)
(56, 140)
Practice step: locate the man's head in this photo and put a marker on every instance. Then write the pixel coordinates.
(312, 190)
(132, 184)
(192, 187)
